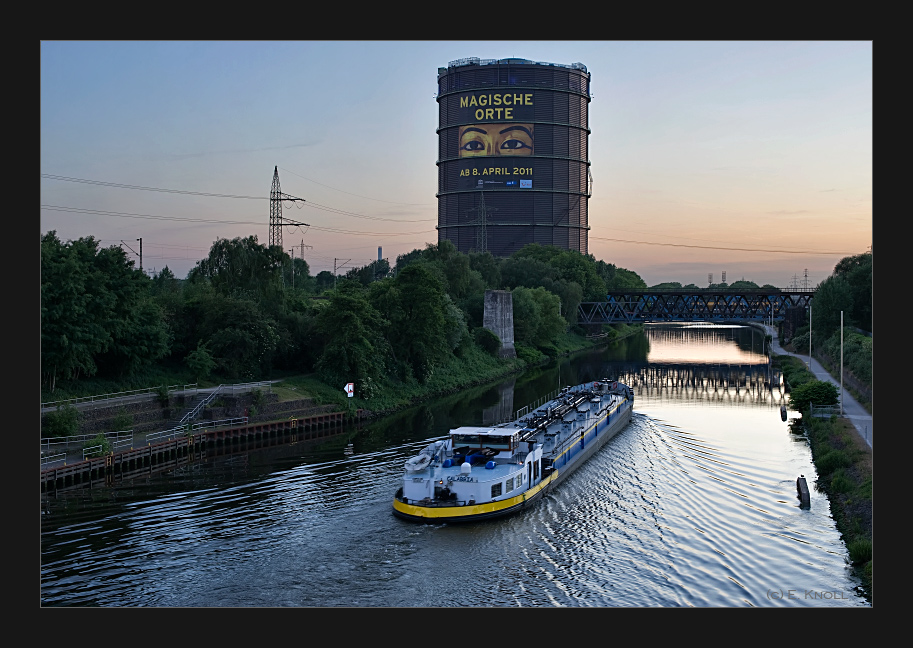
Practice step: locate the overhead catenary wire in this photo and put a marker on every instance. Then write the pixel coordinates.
(327, 208)
(727, 248)
(184, 219)
(391, 202)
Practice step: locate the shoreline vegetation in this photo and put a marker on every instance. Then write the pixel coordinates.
(843, 462)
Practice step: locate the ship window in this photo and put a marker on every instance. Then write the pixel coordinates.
(509, 486)
(496, 490)
(498, 443)
(471, 440)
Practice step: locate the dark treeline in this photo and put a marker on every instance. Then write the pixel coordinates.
(248, 310)
(847, 290)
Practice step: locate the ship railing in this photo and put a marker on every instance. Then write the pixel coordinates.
(429, 502)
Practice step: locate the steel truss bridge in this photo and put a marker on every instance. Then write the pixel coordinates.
(692, 306)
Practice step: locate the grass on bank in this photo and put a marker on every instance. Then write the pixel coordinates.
(843, 461)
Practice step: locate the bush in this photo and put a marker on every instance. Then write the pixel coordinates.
(550, 350)
(529, 355)
(819, 392)
(62, 423)
(860, 550)
(122, 421)
(100, 444)
(257, 398)
(840, 483)
(487, 340)
(831, 461)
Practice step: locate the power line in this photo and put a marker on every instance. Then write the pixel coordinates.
(392, 202)
(125, 186)
(730, 249)
(332, 210)
(179, 219)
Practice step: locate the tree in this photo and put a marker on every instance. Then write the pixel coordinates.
(832, 296)
(70, 332)
(488, 267)
(97, 314)
(537, 320)
(324, 281)
(242, 268)
(819, 392)
(857, 271)
(414, 305)
(355, 349)
(626, 280)
(200, 361)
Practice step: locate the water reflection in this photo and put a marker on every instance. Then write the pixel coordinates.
(694, 504)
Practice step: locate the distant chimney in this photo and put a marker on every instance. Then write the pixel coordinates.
(379, 255)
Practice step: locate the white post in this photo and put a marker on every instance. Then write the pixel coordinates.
(841, 363)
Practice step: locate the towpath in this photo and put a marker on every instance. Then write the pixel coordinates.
(852, 410)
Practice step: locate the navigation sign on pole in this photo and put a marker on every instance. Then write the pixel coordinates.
(350, 389)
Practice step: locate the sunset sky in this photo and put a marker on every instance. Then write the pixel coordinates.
(753, 158)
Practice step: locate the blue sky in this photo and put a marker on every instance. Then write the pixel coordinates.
(753, 158)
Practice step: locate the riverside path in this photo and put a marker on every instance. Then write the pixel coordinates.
(852, 410)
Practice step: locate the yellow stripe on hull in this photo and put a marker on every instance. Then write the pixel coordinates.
(469, 511)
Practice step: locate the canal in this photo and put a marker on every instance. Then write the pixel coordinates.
(693, 504)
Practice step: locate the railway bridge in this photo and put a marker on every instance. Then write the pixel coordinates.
(707, 305)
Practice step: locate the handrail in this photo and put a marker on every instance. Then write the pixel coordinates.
(190, 428)
(114, 437)
(54, 459)
(153, 390)
(123, 394)
(192, 414)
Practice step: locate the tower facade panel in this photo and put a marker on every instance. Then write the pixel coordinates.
(512, 155)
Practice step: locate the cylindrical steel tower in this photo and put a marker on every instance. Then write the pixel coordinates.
(512, 154)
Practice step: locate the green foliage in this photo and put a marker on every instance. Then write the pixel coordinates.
(241, 336)
(794, 371)
(352, 333)
(123, 420)
(626, 280)
(161, 392)
(529, 355)
(420, 322)
(243, 269)
(200, 361)
(97, 313)
(63, 422)
(323, 281)
(857, 271)
(857, 353)
(99, 445)
(258, 398)
(537, 321)
(832, 296)
(831, 461)
(819, 392)
(860, 550)
(840, 483)
(487, 340)
(549, 350)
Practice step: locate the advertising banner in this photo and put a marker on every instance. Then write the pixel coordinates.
(495, 140)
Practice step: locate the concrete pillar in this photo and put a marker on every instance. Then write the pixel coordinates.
(499, 319)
